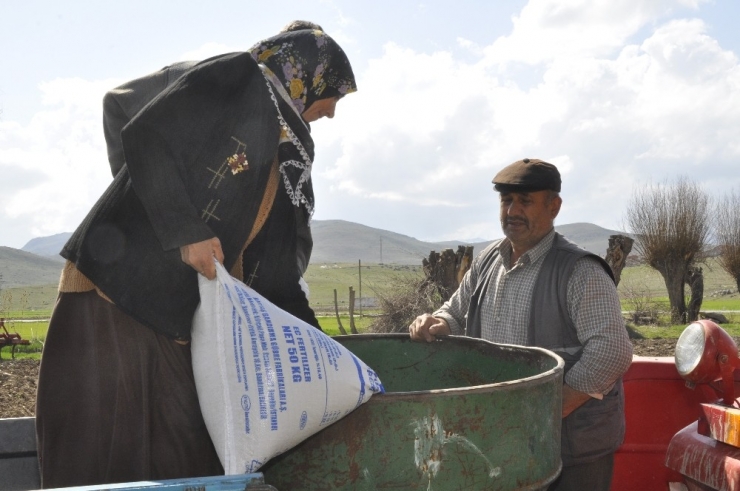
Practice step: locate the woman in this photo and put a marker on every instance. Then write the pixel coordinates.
(217, 165)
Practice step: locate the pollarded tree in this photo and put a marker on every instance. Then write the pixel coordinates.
(671, 224)
(727, 232)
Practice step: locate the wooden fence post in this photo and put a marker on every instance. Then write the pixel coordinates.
(336, 311)
(352, 327)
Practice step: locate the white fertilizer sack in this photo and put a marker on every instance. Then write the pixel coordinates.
(266, 380)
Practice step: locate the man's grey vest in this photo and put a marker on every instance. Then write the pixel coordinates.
(595, 429)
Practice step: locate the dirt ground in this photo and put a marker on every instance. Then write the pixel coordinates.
(18, 378)
(18, 387)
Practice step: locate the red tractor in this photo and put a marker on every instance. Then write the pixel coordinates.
(683, 421)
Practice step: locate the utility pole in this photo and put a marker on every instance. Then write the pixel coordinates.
(381, 250)
(359, 269)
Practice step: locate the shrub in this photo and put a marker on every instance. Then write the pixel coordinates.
(402, 300)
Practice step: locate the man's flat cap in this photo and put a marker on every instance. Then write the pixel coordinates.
(528, 175)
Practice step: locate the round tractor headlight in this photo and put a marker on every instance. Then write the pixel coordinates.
(690, 349)
(706, 353)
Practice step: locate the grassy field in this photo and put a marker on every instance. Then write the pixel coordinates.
(668, 331)
(644, 284)
(330, 325)
(28, 302)
(715, 280)
(639, 284)
(35, 332)
(323, 279)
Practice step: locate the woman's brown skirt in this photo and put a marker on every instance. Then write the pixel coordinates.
(116, 401)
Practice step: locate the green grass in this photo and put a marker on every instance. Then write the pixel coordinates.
(707, 305)
(674, 331)
(330, 326)
(28, 330)
(649, 286)
(36, 333)
(644, 277)
(644, 284)
(31, 302)
(37, 302)
(720, 304)
(323, 279)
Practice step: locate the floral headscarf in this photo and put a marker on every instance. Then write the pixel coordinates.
(309, 64)
(304, 66)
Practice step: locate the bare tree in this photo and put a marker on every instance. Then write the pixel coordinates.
(616, 254)
(695, 281)
(727, 232)
(445, 270)
(670, 222)
(643, 308)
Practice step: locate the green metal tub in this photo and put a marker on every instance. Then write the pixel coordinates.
(459, 413)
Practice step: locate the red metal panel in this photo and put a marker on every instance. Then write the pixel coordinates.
(657, 405)
(705, 460)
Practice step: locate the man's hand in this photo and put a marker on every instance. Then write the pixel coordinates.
(199, 256)
(573, 399)
(427, 328)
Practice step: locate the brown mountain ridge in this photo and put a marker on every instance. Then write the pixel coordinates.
(335, 241)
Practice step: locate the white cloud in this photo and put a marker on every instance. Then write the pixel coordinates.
(430, 131)
(547, 30)
(689, 95)
(58, 160)
(614, 93)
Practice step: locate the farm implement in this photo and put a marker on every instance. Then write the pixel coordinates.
(8, 338)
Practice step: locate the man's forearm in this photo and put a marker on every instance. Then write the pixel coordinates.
(573, 399)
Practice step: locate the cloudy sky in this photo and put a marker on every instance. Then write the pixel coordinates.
(617, 94)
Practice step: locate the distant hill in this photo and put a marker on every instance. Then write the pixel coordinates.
(21, 268)
(341, 242)
(335, 241)
(338, 241)
(47, 246)
(589, 236)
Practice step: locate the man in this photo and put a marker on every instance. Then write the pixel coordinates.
(536, 288)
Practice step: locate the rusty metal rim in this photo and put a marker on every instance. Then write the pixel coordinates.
(544, 483)
(517, 384)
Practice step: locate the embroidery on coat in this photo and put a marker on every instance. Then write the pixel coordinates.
(210, 211)
(287, 135)
(238, 161)
(294, 191)
(253, 275)
(218, 175)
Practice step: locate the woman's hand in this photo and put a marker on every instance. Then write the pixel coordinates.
(199, 256)
(427, 328)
